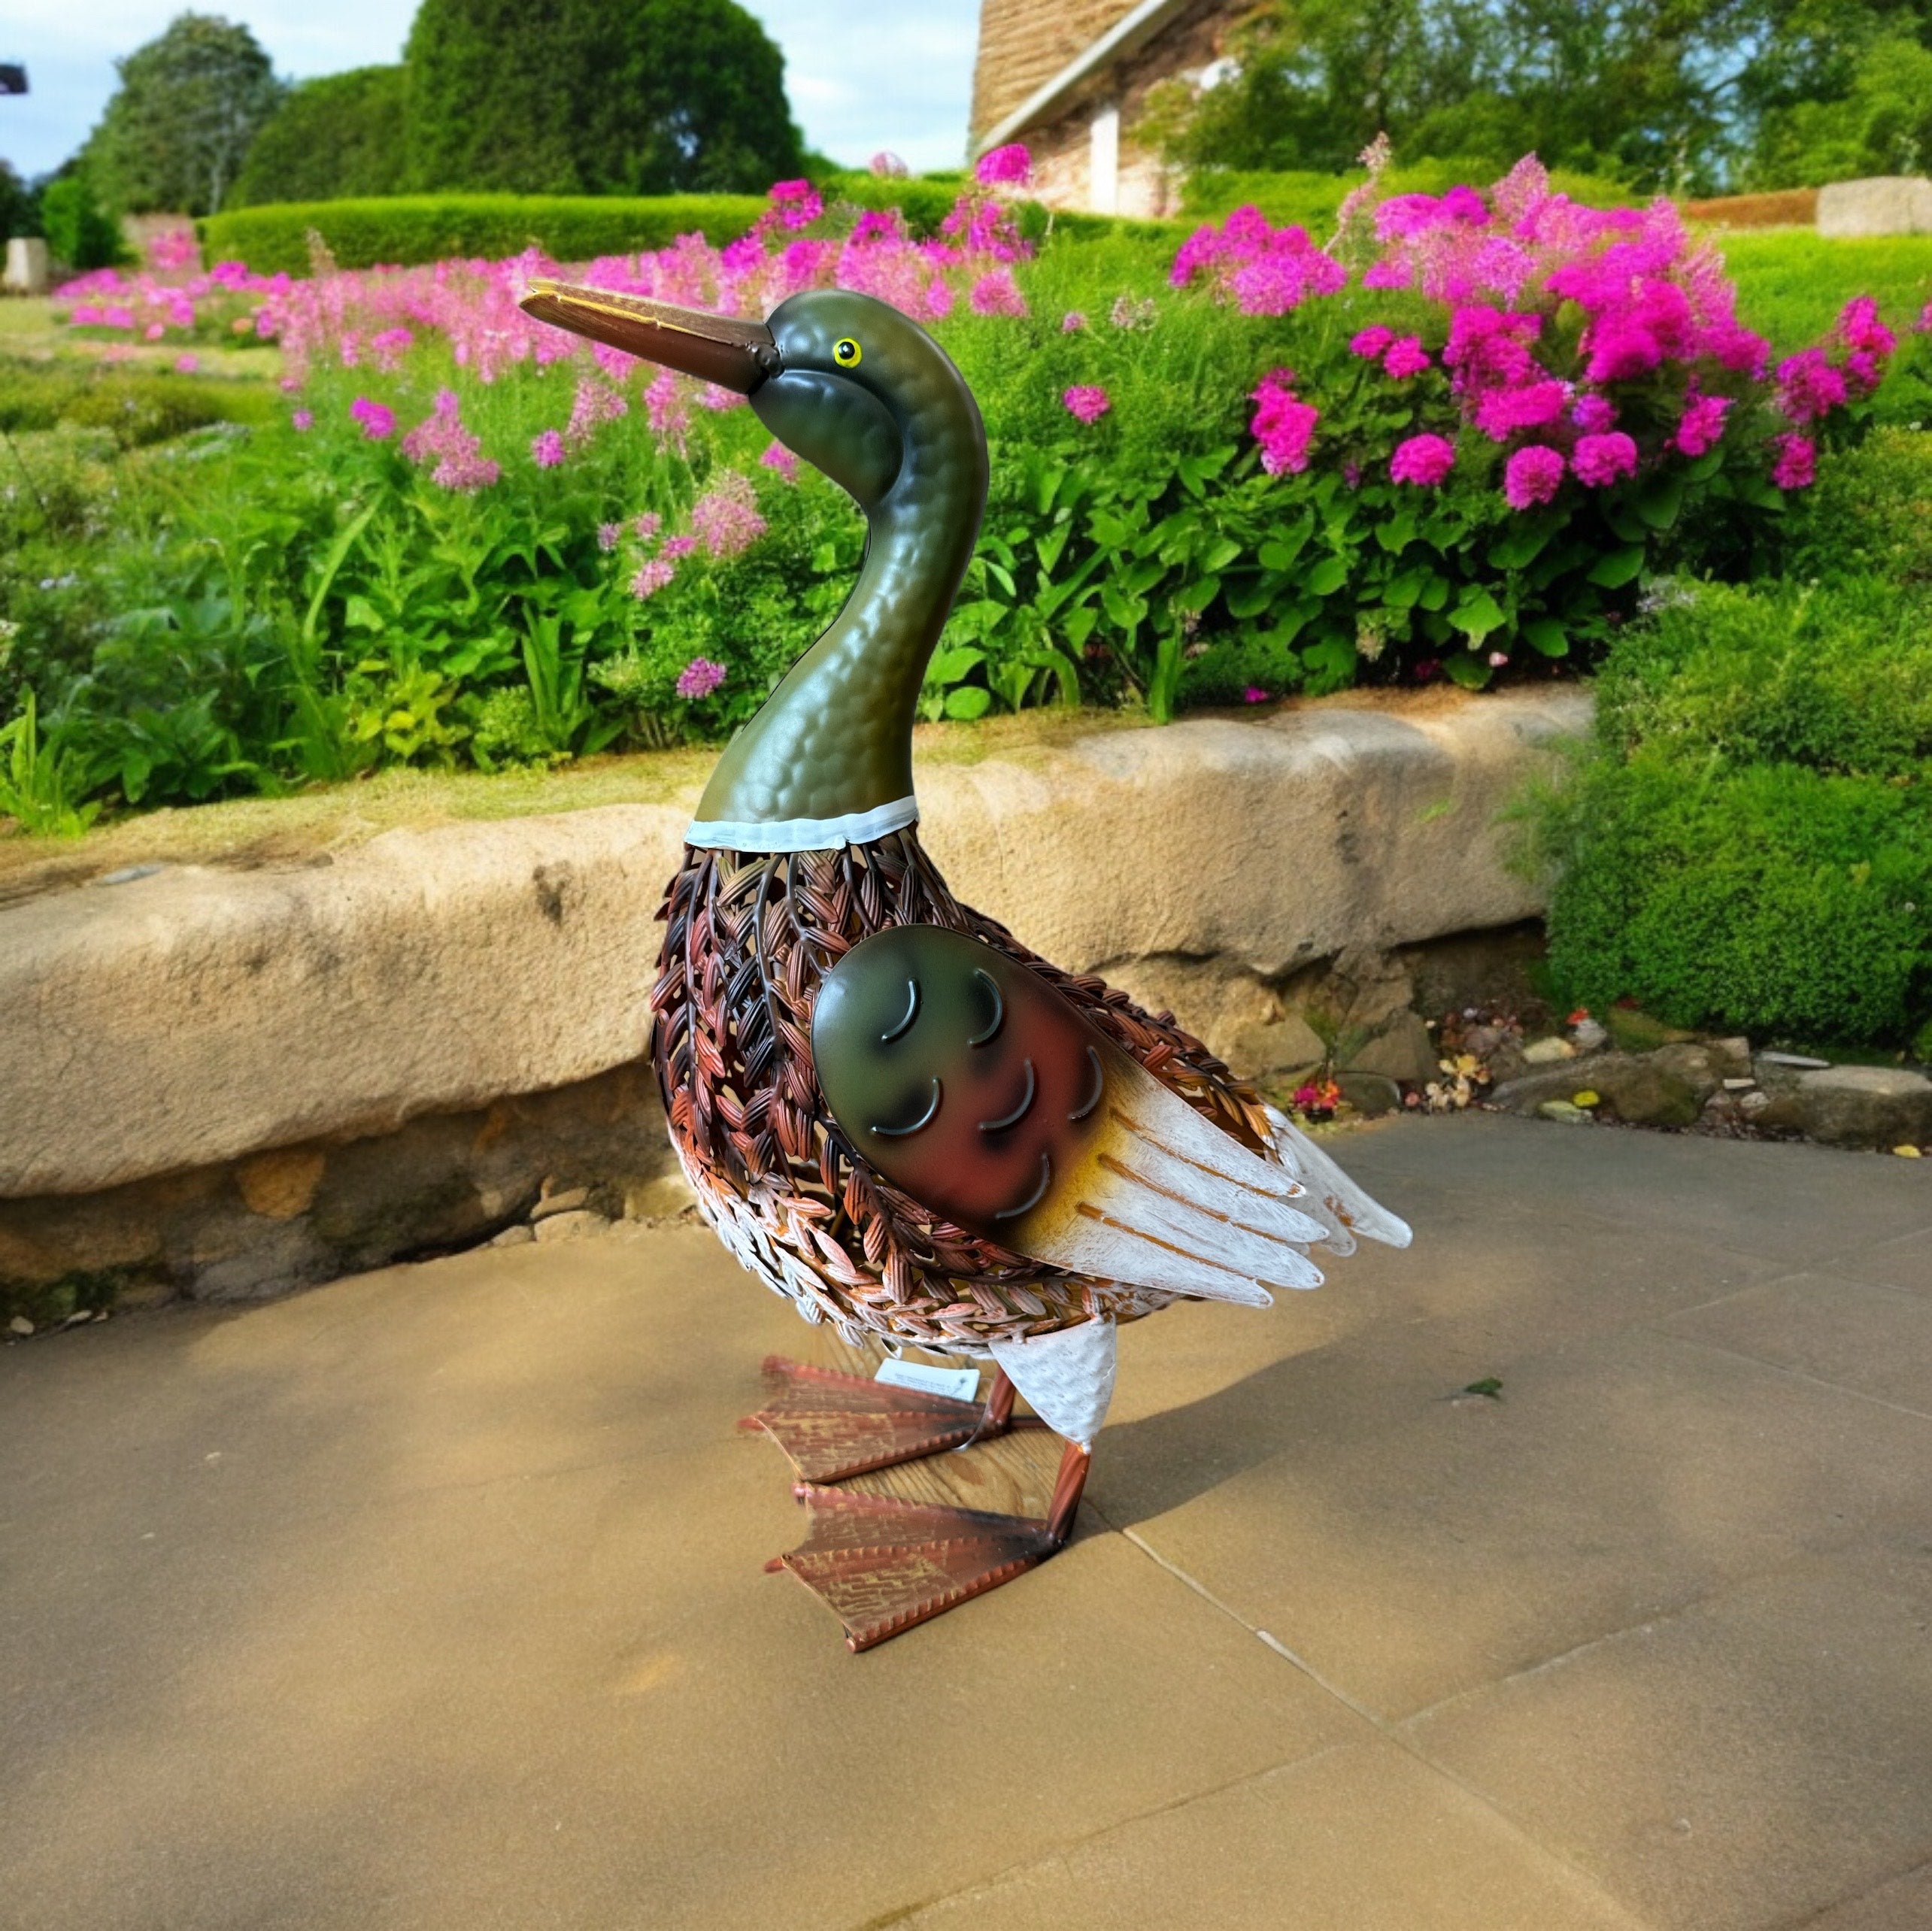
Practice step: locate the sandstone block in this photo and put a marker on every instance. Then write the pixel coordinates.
(1406, 1051)
(1282, 1046)
(279, 1186)
(1866, 1106)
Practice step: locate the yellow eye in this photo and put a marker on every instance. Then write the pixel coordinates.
(846, 353)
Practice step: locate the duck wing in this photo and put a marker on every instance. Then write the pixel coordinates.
(983, 1092)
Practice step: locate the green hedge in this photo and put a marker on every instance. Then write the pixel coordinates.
(1313, 199)
(407, 229)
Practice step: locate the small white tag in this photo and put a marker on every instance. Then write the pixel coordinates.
(960, 1384)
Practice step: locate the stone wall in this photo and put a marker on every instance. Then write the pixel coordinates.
(226, 1082)
(1022, 44)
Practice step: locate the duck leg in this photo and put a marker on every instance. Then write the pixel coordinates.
(882, 1566)
(832, 1425)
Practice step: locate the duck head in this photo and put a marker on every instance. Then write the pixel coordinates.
(862, 392)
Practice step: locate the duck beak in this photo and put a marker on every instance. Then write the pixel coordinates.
(724, 348)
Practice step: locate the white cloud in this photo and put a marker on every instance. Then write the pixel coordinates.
(863, 75)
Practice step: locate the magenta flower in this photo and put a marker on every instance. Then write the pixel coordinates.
(1500, 413)
(651, 578)
(186, 365)
(1796, 467)
(1599, 461)
(1282, 424)
(996, 293)
(777, 456)
(1593, 414)
(1424, 460)
(1406, 357)
(1701, 424)
(699, 678)
(1073, 322)
(1254, 694)
(302, 421)
(608, 536)
(645, 527)
(677, 547)
(798, 203)
(594, 404)
(1087, 401)
(378, 423)
(547, 449)
(1370, 342)
(1003, 166)
(1808, 387)
(887, 165)
(1860, 330)
(1532, 475)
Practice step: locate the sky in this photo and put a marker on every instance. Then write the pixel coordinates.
(863, 75)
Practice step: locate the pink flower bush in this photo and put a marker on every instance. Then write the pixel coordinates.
(302, 421)
(1701, 427)
(1599, 461)
(1072, 322)
(1406, 357)
(1532, 476)
(1264, 270)
(996, 293)
(797, 203)
(378, 422)
(442, 439)
(1087, 401)
(651, 577)
(546, 449)
(1283, 425)
(699, 678)
(1425, 460)
(778, 457)
(1010, 166)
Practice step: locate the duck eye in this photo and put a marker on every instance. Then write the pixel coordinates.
(846, 353)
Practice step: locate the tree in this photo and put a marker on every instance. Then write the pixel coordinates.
(596, 97)
(177, 129)
(79, 232)
(343, 135)
(19, 207)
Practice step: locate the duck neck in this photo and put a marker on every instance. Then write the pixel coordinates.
(828, 760)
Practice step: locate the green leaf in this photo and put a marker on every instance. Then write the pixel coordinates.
(1396, 534)
(949, 667)
(969, 701)
(1435, 593)
(825, 560)
(1477, 614)
(1546, 635)
(1401, 593)
(1221, 553)
(1280, 551)
(1468, 669)
(1619, 567)
(1048, 546)
(1195, 597)
(1079, 625)
(1523, 545)
(1250, 599)
(1658, 506)
(1327, 576)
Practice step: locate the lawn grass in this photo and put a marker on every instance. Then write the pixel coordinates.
(1791, 282)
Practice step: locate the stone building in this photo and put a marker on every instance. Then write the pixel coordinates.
(1071, 79)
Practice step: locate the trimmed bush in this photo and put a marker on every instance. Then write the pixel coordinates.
(136, 407)
(404, 229)
(340, 136)
(1749, 845)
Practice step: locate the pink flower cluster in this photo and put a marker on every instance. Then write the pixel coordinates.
(699, 678)
(1265, 270)
(1010, 166)
(443, 439)
(1282, 424)
(1087, 402)
(725, 520)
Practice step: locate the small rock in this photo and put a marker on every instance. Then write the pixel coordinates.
(1797, 1060)
(1482, 1040)
(1730, 1059)
(1562, 1110)
(1547, 1052)
(1370, 1094)
(19, 1324)
(514, 1237)
(568, 1201)
(575, 1224)
(1742, 1085)
(1641, 1092)
(1588, 1036)
(1866, 1106)
(79, 1315)
(1908, 1153)
(1403, 1051)
(1281, 1046)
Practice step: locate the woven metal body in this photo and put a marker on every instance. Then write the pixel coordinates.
(748, 938)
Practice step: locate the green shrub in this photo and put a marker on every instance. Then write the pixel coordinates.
(404, 229)
(136, 406)
(1748, 843)
(628, 97)
(340, 136)
(79, 231)
(1870, 514)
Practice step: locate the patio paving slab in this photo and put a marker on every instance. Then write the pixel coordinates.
(432, 1597)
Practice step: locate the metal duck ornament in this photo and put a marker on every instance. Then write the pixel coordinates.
(892, 1113)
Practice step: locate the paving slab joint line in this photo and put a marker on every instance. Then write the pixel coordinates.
(900, 1913)
(1798, 1373)
(1838, 1904)
(1389, 1734)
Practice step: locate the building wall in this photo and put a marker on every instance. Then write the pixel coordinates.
(1023, 44)
(1062, 148)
